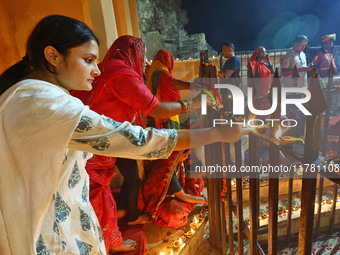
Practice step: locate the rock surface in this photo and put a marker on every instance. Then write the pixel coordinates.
(161, 24)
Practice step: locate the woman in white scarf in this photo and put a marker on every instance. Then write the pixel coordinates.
(47, 135)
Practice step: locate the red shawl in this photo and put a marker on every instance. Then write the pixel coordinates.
(262, 68)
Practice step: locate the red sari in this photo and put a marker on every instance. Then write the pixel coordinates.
(159, 82)
(264, 82)
(165, 210)
(119, 93)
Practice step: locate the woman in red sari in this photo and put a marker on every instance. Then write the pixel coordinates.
(168, 176)
(120, 93)
(262, 70)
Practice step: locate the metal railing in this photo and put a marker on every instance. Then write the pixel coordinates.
(221, 211)
(275, 57)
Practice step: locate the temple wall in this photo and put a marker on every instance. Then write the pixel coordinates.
(108, 18)
(18, 17)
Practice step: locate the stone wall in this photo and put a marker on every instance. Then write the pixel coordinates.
(161, 24)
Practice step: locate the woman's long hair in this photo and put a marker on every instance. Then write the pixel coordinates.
(61, 32)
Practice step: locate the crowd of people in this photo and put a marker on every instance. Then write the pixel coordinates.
(54, 199)
(67, 124)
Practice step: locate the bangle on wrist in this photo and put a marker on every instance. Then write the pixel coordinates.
(185, 106)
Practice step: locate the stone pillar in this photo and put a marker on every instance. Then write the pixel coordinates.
(134, 18)
(104, 24)
(126, 17)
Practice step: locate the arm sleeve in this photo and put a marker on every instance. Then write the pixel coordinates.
(134, 92)
(231, 65)
(166, 78)
(101, 135)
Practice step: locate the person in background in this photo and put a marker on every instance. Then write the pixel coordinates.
(233, 63)
(323, 59)
(229, 73)
(164, 86)
(165, 172)
(120, 93)
(295, 57)
(259, 64)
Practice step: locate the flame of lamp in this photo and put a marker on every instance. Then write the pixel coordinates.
(278, 133)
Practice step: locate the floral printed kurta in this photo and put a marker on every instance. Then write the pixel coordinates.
(44, 199)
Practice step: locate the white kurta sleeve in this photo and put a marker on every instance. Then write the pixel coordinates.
(101, 135)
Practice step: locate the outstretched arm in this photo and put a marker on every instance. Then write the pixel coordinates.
(204, 136)
(190, 198)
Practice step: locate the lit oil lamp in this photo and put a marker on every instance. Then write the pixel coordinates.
(331, 162)
(295, 208)
(190, 233)
(179, 244)
(263, 128)
(228, 114)
(193, 224)
(286, 140)
(238, 118)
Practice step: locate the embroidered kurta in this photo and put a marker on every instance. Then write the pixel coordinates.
(44, 201)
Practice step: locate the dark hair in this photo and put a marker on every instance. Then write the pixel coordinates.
(300, 38)
(61, 32)
(229, 44)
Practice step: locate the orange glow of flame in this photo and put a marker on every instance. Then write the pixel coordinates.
(161, 253)
(171, 253)
(278, 133)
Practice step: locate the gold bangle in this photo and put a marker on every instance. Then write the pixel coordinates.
(187, 106)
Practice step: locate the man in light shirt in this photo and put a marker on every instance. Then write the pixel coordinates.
(295, 57)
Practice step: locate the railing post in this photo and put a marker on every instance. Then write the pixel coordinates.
(329, 89)
(316, 106)
(239, 199)
(273, 199)
(213, 156)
